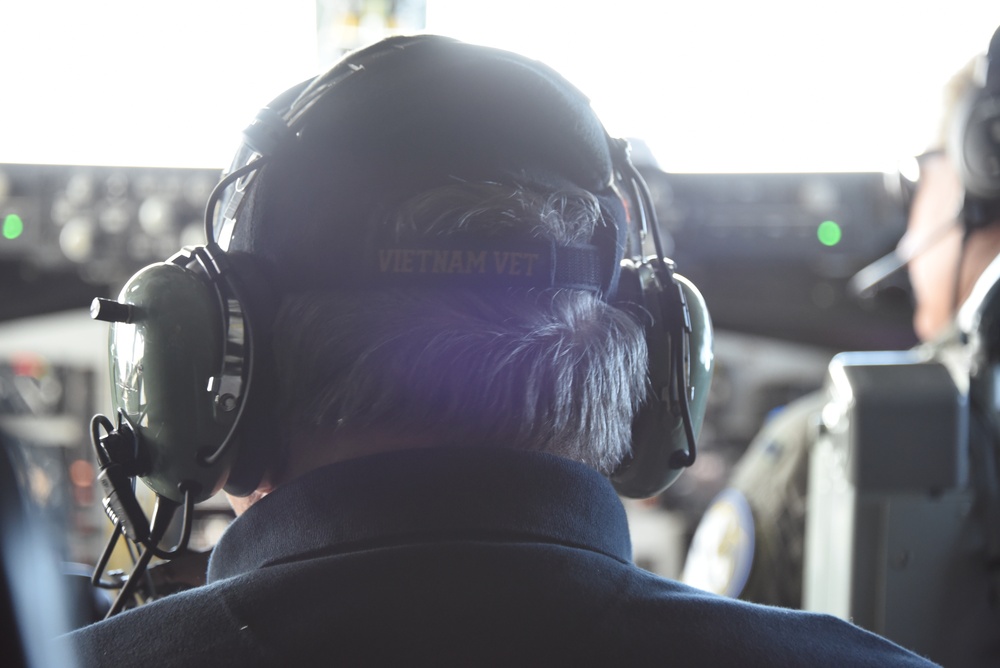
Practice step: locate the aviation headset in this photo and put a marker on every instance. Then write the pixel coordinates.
(189, 349)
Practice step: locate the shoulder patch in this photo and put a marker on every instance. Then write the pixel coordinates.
(721, 551)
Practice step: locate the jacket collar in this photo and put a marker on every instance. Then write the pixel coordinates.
(427, 495)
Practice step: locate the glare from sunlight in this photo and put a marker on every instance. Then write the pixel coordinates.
(774, 85)
(144, 83)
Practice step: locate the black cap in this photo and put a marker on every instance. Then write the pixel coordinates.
(405, 115)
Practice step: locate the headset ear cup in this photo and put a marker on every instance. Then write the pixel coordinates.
(974, 141)
(975, 144)
(701, 350)
(257, 442)
(162, 353)
(659, 438)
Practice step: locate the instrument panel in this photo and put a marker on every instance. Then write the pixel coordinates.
(772, 253)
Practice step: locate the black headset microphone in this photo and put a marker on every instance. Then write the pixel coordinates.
(189, 336)
(862, 284)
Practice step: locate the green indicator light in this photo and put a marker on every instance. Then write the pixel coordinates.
(829, 233)
(13, 226)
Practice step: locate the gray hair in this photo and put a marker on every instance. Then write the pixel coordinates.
(552, 370)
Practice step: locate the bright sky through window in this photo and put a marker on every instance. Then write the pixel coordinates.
(772, 85)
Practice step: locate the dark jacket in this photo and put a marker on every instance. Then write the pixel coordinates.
(456, 557)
